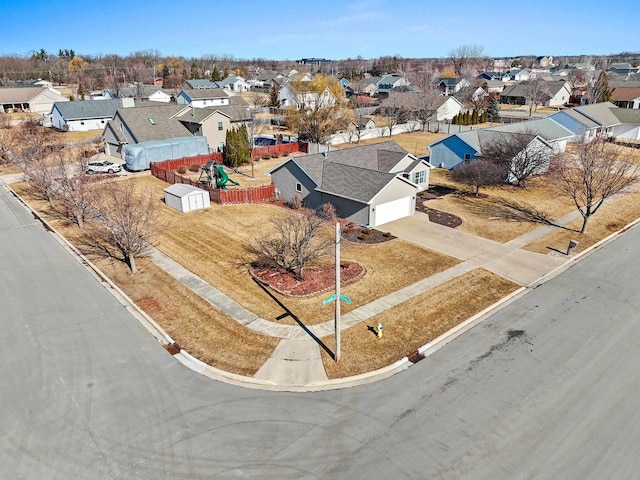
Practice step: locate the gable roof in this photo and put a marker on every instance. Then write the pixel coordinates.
(600, 113)
(625, 93)
(88, 109)
(164, 124)
(22, 94)
(546, 128)
(182, 189)
(520, 89)
(627, 115)
(145, 91)
(357, 173)
(198, 83)
(205, 93)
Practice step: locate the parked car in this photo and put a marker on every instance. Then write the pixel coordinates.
(102, 166)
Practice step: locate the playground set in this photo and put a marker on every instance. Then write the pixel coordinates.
(213, 174)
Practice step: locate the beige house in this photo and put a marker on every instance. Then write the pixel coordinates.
(29, 99)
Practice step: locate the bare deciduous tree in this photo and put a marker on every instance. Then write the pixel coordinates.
(537, 93)
(519, 155)
(591, 175)
(74, 188)
(125, 219)
(8, 137)
(297, 241)
(463, 55)
(35, 161)
(317, 123)
(478, 173)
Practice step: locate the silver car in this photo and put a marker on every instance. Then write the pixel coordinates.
(102, 166)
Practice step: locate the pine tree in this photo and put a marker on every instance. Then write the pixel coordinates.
(215, 74)
(474, 117)
(274, 100)
(237, 149)
(493, 109)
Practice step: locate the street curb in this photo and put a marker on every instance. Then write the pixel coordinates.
(250, 382)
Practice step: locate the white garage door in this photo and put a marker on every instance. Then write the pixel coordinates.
(390, 211)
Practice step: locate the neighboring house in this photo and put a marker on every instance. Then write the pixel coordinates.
(362, 124)
(556, 94)
(466, 146)
(141, 92)
(197, 83)
(622, 69)
(29, 99)
(233, 83)
(305, 99)
(495, 86)
(85, 115)
(433, 107)
(600, 119)
(495, 76)
(519, 75)
(450, 86)
(161, 122)
(369, 185)
(203, 97)
(626, 97)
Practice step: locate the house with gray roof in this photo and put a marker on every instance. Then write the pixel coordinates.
(29, 99)
(198, 83)
(85, 115)
(233, 83)
(600, 119)
(467, 146)
(369, 184)
(151, 93)
(204, 97)
(556, 94)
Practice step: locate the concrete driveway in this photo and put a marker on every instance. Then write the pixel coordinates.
(520, 266)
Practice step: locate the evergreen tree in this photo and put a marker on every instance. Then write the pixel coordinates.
(493, 109)
(165, 72)
(195, 73)
(274, 100)
(237, 149)
(215, 74)
(474, 117)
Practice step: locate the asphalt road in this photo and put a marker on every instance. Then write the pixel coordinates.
(546, 388)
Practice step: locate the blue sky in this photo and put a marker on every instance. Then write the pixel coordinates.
(292, 29)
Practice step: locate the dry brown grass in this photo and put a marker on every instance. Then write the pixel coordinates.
(487, 216)
(413, 142)
(211, 243)
(414, 323)
(191, 321)
(609, 219)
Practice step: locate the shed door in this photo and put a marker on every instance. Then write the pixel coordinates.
(196, 202)
(390, 211)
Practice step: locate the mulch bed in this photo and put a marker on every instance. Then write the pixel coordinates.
(316, 279)
(358, 234)
(436, 216)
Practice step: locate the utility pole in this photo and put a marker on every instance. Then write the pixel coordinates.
(337, 297)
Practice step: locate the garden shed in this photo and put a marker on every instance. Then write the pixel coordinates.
(186, 198)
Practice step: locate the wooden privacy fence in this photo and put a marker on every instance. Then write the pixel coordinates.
(264, 193)
(279, 149)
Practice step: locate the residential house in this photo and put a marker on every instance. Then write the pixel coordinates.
(495, 76)
(204, 97)
(521, 75)
(449, 86)
(466, 146)
(425, 106)
(626, 97)
(622, 69)
(139, 92)
(233, 83)
(556, 94)
(600, 119)
(197, 83)
(86, 115)
(29, 99)
(369, 185)
(162, 122)
(301, 98)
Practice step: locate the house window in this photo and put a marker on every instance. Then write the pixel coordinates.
(420, 177)
(298, 187)
(81, 123)
(467, 157)
(220, 126)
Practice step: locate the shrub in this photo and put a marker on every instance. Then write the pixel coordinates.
(327, 211)
(194, 168)
(266, 156)
(387, 234)
(182, 170)
(295, 202)
(275, 155)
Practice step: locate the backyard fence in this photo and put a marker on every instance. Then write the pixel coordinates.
(166, 171)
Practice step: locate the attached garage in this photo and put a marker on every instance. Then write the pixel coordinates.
(186, 198)
(393, 210)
